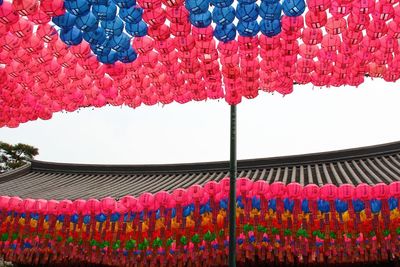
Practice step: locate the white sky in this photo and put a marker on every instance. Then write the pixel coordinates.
(309, 120)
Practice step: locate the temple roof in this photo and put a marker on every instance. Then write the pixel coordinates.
(49, 180)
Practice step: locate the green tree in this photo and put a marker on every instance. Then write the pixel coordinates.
(14, 156)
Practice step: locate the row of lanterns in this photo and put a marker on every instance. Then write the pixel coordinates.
(359, 39)
(276, 222)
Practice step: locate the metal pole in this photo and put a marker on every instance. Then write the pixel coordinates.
(232, 191)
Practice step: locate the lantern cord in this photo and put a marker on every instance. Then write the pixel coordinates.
(232, 190)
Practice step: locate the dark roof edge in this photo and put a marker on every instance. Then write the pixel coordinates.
(313, 158)
(24, 169)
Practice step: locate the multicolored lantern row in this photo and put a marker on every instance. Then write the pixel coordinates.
(276, 222)
(60, 55)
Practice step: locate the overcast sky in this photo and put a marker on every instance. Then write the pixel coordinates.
(308, 120)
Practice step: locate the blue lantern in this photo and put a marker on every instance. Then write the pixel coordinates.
(95, 37)
(104, 12)
(100, 49)
(247, 12)
(248, 29)
(197, 6)
(71, 36)
(200, 20)
(225, 33)
(119, 43)
(101, 217)
(99, 2)
(247, 1)
(127, 56)
(87, 23)
(293, 8)
(323, 206)
(270, 11)
(304, 206)
(341, 206)
(137, 29)
(358, 205)
(393, 203)
(113, 27)
(124, 3)
(77, 7)
(288, 204)
(223, 15)
(131, 15)
(376, 205)
(221, 3)
(66, 21)
(270, 28)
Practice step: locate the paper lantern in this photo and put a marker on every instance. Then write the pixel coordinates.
(136, 29)
(316, 19)
(47, 33)
(335, 25)
(131, 15)
(154, 17)
(248, 29)
(105, 12)
(330, 42)
(224, 15)
(119, 43)
(394, 30)
(363, 7)
(358, 22)
(25, 7)
(377, 29)
(270, 28)
(312, 36)
(127, 56)
(10, 42)
(177, 14)
(71, 36)
(87, 23)
(247, 12)
(39, 17)
(22, 28)
(292, 24)
(225, 33)
(124, 3)
(97, 36)
(113, 27)
(202, 20)
(65, 21)
(77, 7)
(8, 15)
(159, 33)
(221, 3)
(100, 49)
(293, 8)
(52, 7)
(352, 38)
(339, 10)
(270, 11)
(197, 6)
(318, 5)
(383, 11)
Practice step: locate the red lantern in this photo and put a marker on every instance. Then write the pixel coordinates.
(318, 5)
(47, 33)
(39, 17)
(358, 22)
(335, 25)
(159, 33)
(308, 51)
(312, 36)
(316, 19)
(143, 44)
(8, 15)
(26, 7)
(9, 42)
(383, 11)
(180, 29)
(363, 7)
(52, 7)
(269, 43)
(394, 30)
(377, 29)
(340, 10)
(154, 17)
(352, 38)
(292, 24)
(330, 42)
(203, 34)
(22, 28)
